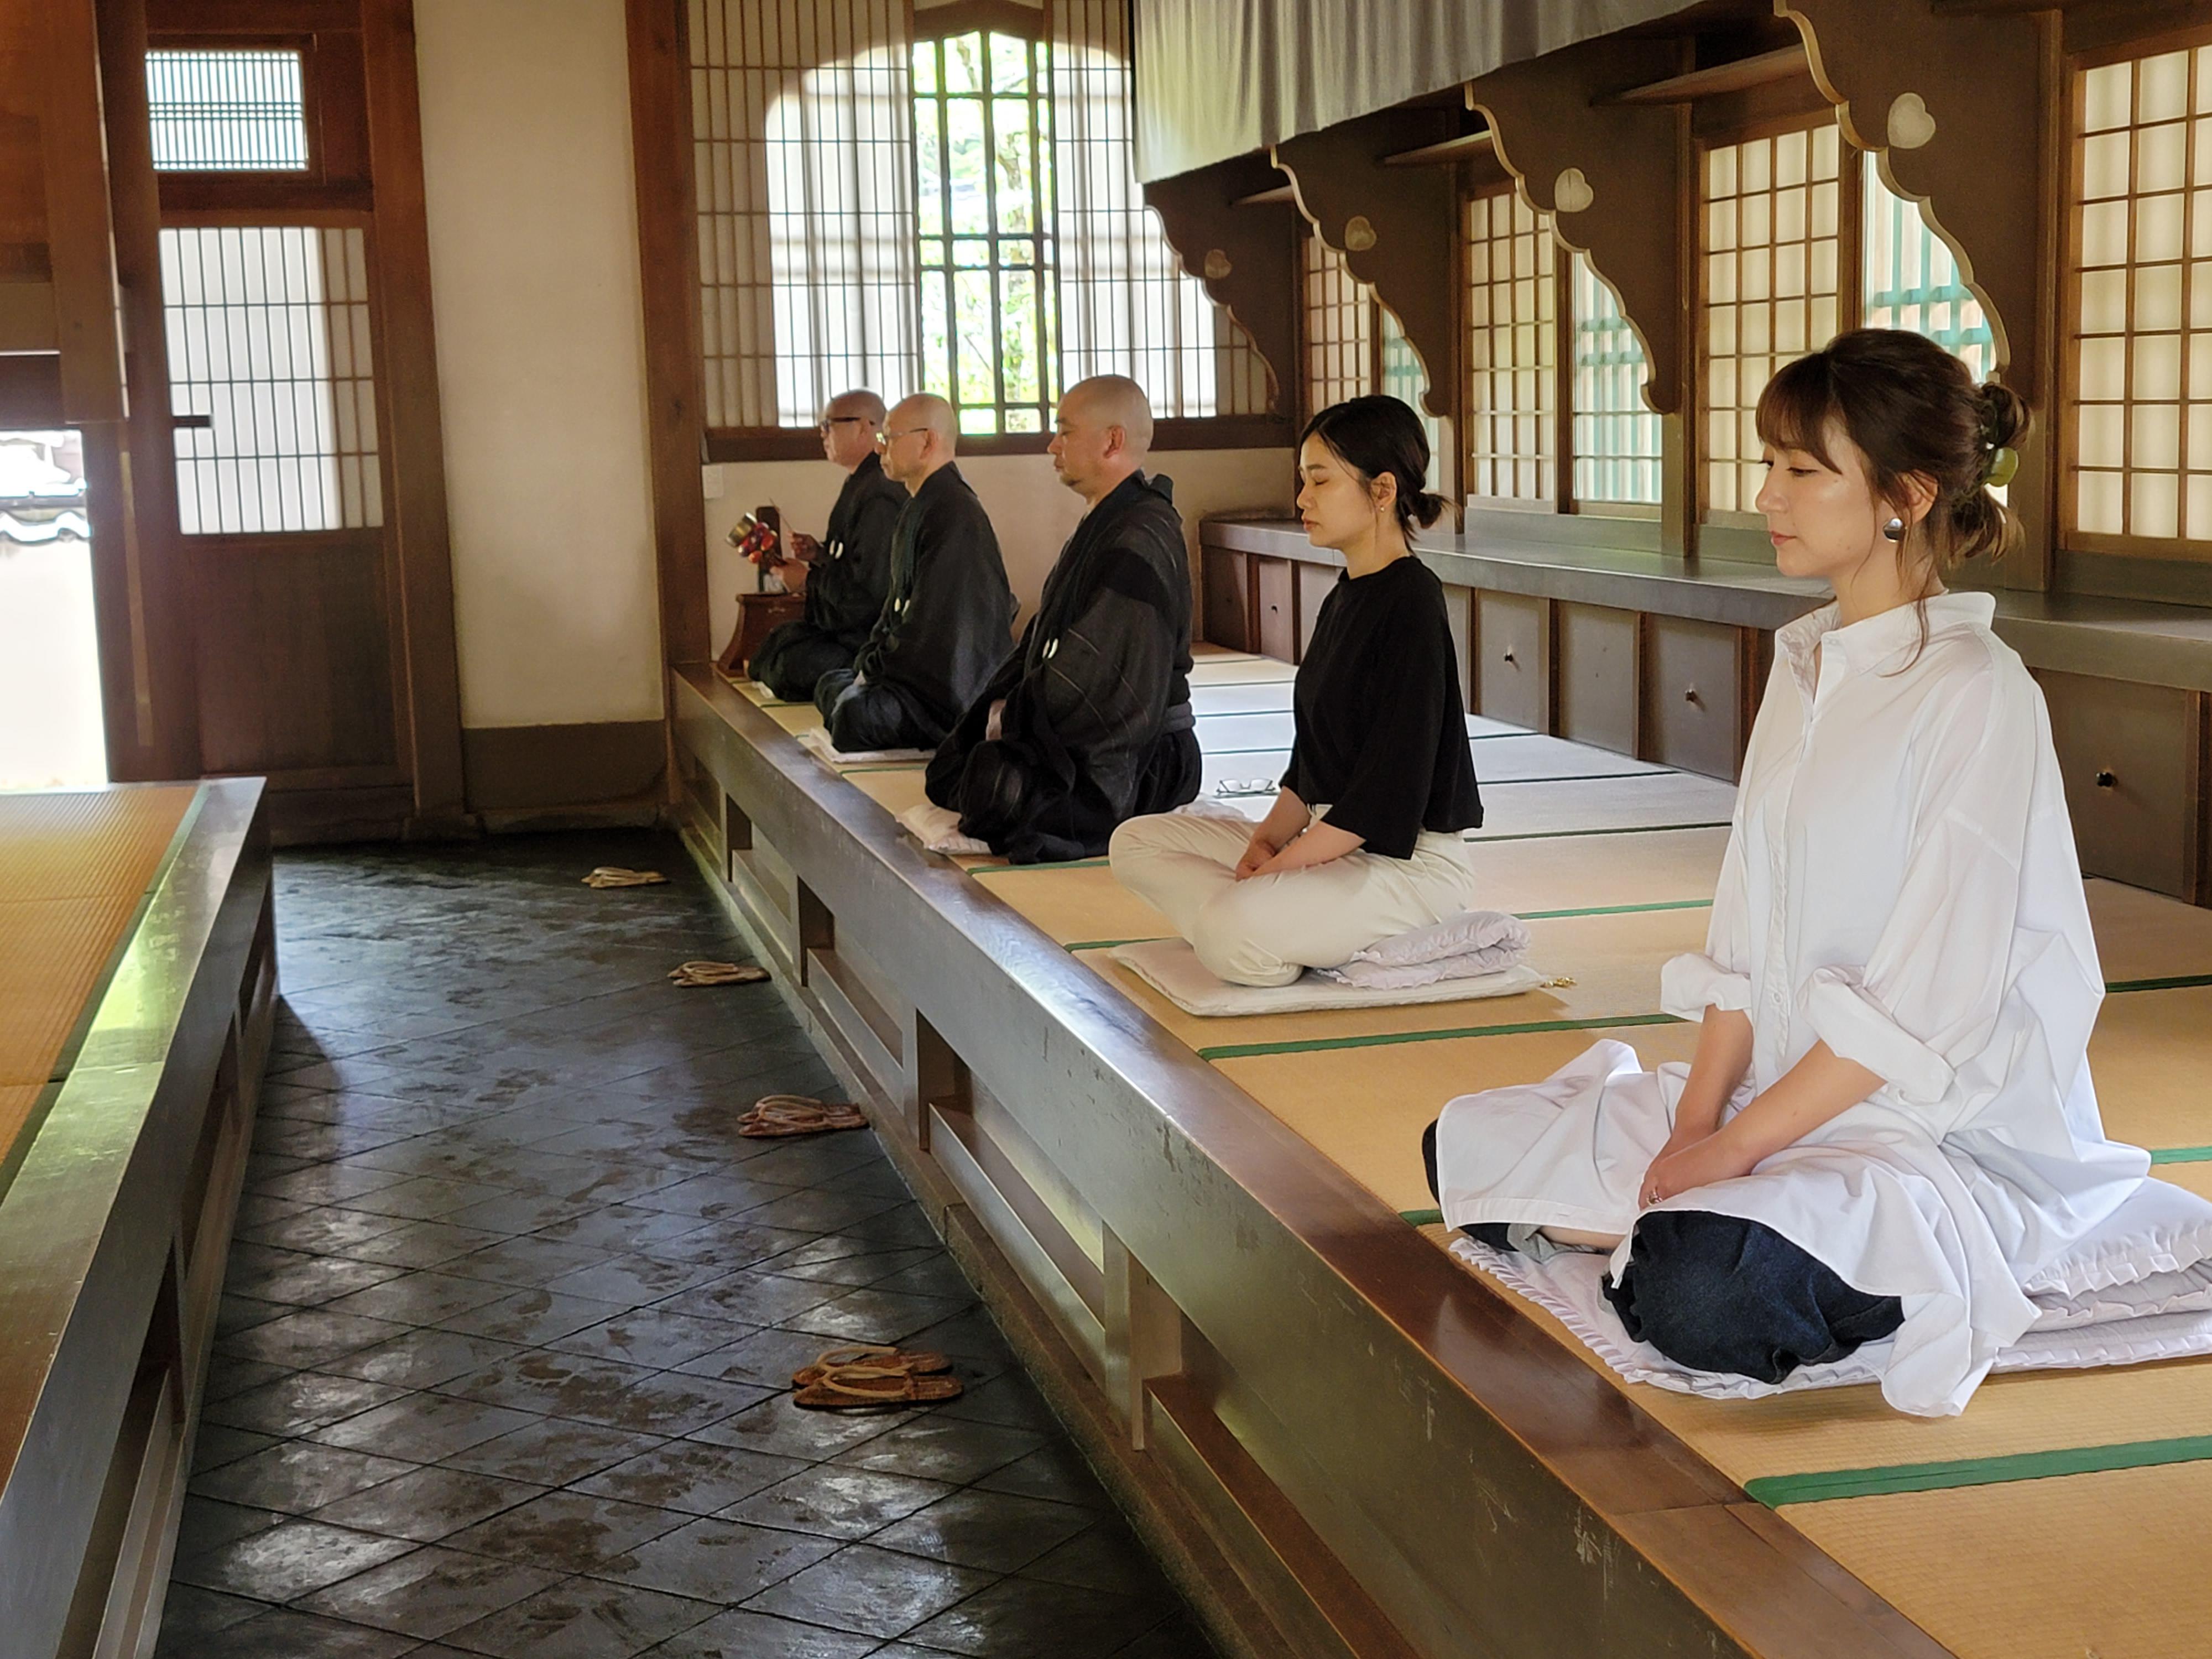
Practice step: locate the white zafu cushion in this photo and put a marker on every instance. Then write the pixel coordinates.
(1170, 967)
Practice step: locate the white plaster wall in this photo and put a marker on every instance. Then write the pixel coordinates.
(541, 358)
(1032, 512)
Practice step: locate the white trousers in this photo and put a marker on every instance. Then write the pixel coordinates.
(1268, 930)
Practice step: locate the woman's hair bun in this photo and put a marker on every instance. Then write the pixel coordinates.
(2004, 415)
(1427, 507)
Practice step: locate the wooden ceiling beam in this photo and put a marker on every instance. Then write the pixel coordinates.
(1738, 75)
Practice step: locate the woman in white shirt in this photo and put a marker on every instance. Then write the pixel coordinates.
(1888, 1125)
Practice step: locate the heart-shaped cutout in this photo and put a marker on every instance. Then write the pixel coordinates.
(1911, 125)
(1571, 192)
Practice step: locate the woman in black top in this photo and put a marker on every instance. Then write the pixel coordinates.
(1363, 842)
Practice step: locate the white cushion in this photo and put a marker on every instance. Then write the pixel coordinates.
(2160, 1229)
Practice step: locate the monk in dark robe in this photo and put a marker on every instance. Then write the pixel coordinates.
(846, 580)
(948, 613)
(1088, 722)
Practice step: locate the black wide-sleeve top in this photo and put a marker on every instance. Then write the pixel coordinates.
(1380, 727)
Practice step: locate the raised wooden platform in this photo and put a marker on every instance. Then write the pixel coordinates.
(138, 978)
(1214, 1231)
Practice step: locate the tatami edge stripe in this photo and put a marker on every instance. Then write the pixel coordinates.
(1015, 869)
(1479, 839)
(1422, 1217)
(1385, 1039)
(2170, 982)
(1114, 943)
(2181, 1155)
(1616, 909)
(1825, 1485)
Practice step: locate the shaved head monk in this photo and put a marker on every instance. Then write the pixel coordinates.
(1088, 721)
(846, 580)
(948, 610)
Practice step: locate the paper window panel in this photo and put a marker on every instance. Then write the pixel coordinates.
(1616, 438)
(2140, 299)
(1512, 350)
(226, 111)
(1912, 282)
(1770, 290)
(1339, 323)
(1125, 306)
(803, 148)
(271, 379)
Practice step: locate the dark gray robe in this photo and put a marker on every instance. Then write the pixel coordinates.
(845, 588)
(1098, 724)
(944, 626)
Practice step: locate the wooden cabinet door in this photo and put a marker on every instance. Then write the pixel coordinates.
(1693, 695)
(1513, 668)
(1277, 609)
(1227, 575)
(1598, 676)
(2131, 755)
(1315, 581)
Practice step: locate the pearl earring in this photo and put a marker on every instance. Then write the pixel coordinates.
(1894, 531)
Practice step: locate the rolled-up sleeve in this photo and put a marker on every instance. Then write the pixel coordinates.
(1719, 976)
(1929, 997)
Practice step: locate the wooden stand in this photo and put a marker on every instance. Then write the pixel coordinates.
(757, 613)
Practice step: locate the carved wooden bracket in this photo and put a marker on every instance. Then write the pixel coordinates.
(1952, 104)
(1608, 174)
(1246, 257)
(1411, 218)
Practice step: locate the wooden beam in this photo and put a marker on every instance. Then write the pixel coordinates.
(1412, 219)
(1267, 197)
(1711, 81)
(1247, 259)
(1549, 122)
(79, 237)
(1443, 153)
(668, 255)
(30, 391)
(416, 514)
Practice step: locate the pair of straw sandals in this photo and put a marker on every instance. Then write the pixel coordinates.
(775, 1117)
(871, 1378)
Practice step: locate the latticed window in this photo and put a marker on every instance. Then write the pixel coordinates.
(1513, 350)
(1913, 280)
(226, 111)
(844, 168)
(1771, 289)
(1616, 438)
(983, 151)
(2139, 300)
(270, 379)
(1340, 329)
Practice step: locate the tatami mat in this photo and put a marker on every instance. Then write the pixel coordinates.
(1588, 805)
(1365, 1109)
(79, 843)
(894, 788)
(793, 717)
(1614, 960)
(73, 868)
(2151, 1060)
(2095, 1566)
(2143, 935)
(1081, 906)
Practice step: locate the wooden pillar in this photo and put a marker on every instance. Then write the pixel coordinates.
(668, 254)
(416, 513)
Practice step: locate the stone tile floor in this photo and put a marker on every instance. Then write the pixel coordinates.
(510, 1303)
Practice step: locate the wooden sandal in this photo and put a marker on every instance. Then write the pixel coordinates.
(687, 974)
(613, 875)
(888, 1360)
(775, 1117)
(870, 1388)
